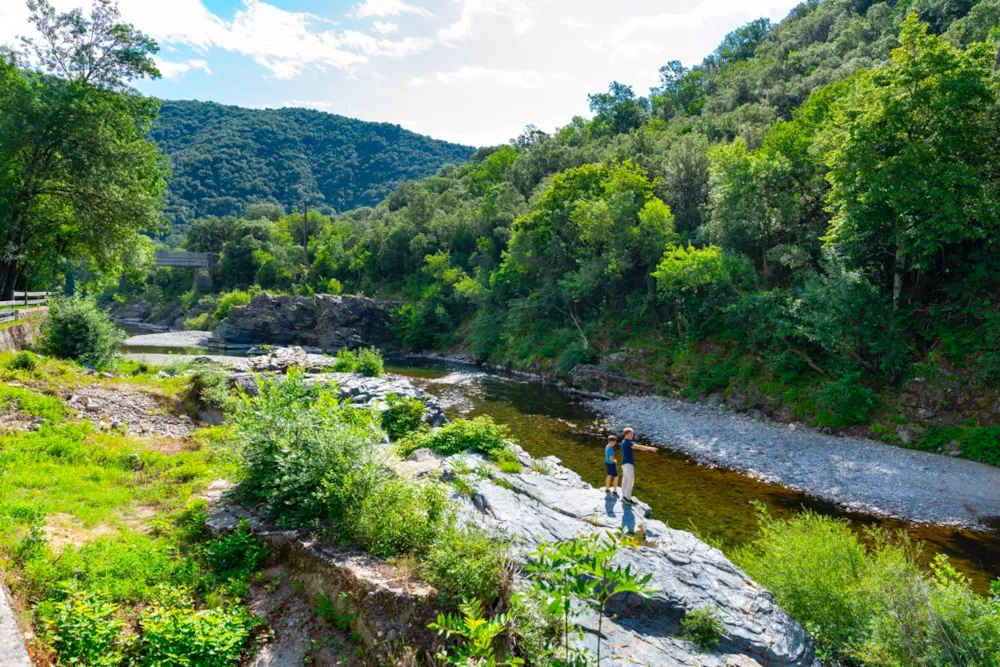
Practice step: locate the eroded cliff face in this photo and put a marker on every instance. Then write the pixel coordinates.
(324, 322)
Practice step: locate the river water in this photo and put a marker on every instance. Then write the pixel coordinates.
(714, 502)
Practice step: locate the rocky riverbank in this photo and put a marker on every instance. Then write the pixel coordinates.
(855, 473)
(531, 507)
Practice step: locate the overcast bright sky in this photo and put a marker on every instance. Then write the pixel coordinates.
(470, 71)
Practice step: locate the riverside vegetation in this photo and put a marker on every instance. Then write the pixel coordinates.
(807, 217)
(130, 576)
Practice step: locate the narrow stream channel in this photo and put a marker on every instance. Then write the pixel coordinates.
(683, 494)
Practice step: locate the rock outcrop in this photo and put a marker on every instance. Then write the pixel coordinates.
(531, 507)
(324, 322)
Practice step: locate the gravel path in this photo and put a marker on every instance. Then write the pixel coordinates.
(855, 473)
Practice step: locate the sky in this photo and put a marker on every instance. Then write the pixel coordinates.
(469, 71)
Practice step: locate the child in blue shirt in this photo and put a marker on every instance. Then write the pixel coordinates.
(611, 483)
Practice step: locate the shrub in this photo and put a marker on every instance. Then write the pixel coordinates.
(366, 360)
(84, 629)
(405, 415)
(203, 322)
(481, 435)
(236, 555)
(703, 628)
(870, 603)
(77, 329)
(227, 300)
(23, 361)
(398, 516)
(466, 564)
(175, 634)
(845, 401)
(292, 438)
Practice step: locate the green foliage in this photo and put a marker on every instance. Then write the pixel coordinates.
(868, 602)
(977, 443)
(479, 637)
(203, 322)
(845, 401)
(404, 415)
(366, 360)
(84, 629)
(292, 438)
(346, 163)
(703, 627)
(81, 181)
(77, 329)
(466, 564)
(235, 555)
(226, 301)
(582, 569)
(23, 361)
(398, 516)
(480, 434)
(176, 634)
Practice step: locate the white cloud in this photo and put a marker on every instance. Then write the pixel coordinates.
(574, 23)
(319, 105)
(520, 14)
(387, 8)
(515, 79)
(385, 28)
(172, 71)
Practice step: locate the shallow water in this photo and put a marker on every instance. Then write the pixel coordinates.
(715, 502)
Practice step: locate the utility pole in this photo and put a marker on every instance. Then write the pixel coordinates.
(305, 232)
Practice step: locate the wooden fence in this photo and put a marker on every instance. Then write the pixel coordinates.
(10, 310)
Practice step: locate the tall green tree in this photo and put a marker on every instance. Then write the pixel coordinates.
(912, 157)
(78, 178)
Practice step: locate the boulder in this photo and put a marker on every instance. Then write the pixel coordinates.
(324, 322)
(600, 379)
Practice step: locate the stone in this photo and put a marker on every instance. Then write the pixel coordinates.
(12, 650)
(600, 379)
(910, 433)
(324, 322)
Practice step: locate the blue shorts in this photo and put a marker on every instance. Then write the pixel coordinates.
(612, 469)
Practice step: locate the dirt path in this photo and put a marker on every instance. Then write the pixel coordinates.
(855, 473)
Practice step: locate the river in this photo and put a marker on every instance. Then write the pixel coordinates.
(716, 503)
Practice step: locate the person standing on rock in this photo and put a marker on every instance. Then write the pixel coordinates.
(628, 464)
(610, 467)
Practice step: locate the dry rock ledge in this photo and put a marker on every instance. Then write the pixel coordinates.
(531, 507)
(855, 473)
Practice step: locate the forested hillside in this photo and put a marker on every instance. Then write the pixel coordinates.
(224, 157)
(808, 218)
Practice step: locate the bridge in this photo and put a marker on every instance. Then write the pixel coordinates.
(203, 262)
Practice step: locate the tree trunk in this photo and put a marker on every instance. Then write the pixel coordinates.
(898, 268)
(9, 279)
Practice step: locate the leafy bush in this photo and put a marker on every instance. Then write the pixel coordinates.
(236, 555)
(77, 329)
(703, 628)
(398, 516)
(366, 360)
(203, 322)
(466, 564)
(292, 438)
(405, 415)
(977, 443)
(479, 638)
(84, 629)
(481, 435)
(175, 634)
(23, 361)
(869, 603)
(227, 300)
(845, 401)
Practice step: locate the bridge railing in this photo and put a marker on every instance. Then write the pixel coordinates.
(9, 309)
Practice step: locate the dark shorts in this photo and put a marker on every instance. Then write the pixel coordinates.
(612, 469)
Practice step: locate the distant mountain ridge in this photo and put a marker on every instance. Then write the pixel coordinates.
(225, 157)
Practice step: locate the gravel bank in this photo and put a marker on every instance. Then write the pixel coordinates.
(855, 473)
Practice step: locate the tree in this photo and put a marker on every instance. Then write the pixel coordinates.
(78, 178)
(912, 157)
(618, 110)
(741, 44)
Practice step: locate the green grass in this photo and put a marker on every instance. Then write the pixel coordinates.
(98, 533)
